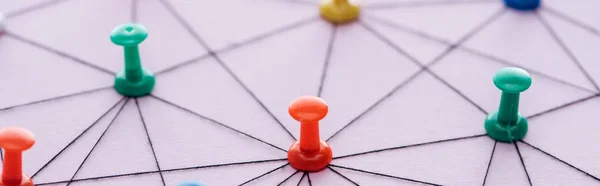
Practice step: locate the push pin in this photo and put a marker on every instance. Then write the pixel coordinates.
(309, 153)
(15, 140)
(524, 5)
(134, 81)
(339, 11)
(506, 124)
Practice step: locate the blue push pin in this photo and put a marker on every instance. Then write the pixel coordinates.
(523, 4)
(190, 183)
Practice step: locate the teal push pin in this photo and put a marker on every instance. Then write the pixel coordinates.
(507, 124)
(134, 80)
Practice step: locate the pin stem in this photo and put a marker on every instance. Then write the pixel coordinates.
(509, 108)
(309, 136)
(11, 169)
(133, 66)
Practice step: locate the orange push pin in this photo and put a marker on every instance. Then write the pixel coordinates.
(309, 153)
(15, 140)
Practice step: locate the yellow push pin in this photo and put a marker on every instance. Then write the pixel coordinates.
(339, 11)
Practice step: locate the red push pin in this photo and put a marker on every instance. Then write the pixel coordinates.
(309, 153)
(15, 140)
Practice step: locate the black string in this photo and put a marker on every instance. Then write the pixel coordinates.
(34, 8)
(523, 163)
(302, 178)
(340, 174)
(470, 34)
(163, 171)
(185, 25)
(215, 122)
(137, 105)
(390, 43)
(269, 34)
(452, 46)
(425, 68)
(199, 39)
(408, 146)
(440, 56)
(262, 105)
(422, 3)
(566, 49)
(463, 39)
(308, 177)
(79, 136)
(480, 108)
(286, 179)
(563, 16)
(98, 141)
(481, 26)
(560, 160)
(489, 57)
(407, 29)
(328, 55)
(264, 174)
(57, 98)
(489, 163)
(499, 60)
(233, 46)
(225, 164)
(421, 34)
(563, 106)
(182, 64)
(59, 53)
(384, 175)
(385, 97)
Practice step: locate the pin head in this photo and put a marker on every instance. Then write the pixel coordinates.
(128, 34)
(523, 5)
(16, 139)
(308, 108)
(512, 80)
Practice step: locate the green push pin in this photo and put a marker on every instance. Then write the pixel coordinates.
(134, 80)
(507, 124)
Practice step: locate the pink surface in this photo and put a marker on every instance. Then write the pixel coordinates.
(408, 88)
